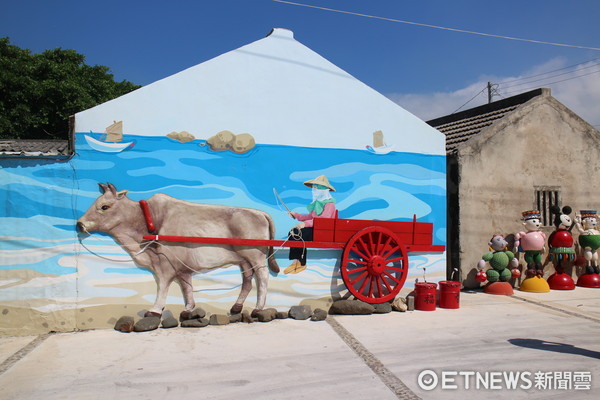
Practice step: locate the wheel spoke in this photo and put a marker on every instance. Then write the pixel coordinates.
(379, 288)
(371, 281)
(386, 244)
(376, 242)
(359, 253)
(393, 260)
(391, 251)
(355, 270)
(353, 260)
(399, 269)
(362, 287)
(366, 247)
(361, 276)
(387, 285)
(391, 277)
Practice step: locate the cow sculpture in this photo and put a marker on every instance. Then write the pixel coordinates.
(114, 213)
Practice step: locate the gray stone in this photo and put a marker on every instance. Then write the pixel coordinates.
(319, 315)
(219, 319)
(282, 314)
(169, 322)
(246, 317)
(399, 304)
(266, 315)
(194, 323)
(382, 308)
(235, 318)
(124, 324)
(300, 312)
(198, 313)
(147, 324)
(410, 303)
(351, 307)
(194, 314)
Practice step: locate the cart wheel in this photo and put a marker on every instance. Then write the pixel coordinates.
(374, 265)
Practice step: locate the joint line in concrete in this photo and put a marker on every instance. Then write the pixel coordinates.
(394, 383)
(12, 360)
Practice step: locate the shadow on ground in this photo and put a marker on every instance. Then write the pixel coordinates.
(554, 346)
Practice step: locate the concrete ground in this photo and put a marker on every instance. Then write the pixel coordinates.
(549, 343)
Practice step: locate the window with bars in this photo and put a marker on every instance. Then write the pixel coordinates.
(546, 197)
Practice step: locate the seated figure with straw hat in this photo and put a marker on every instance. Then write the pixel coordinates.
(322, 206)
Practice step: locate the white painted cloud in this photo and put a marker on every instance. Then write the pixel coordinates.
(581, 94)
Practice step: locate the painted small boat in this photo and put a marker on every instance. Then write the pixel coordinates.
(379, 146)
(107, 147)
(380, 150)
(111, 141)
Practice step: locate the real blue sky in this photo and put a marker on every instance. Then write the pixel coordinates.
(430, 72)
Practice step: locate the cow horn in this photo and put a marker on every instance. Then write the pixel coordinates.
(103, 187)
(112, 188)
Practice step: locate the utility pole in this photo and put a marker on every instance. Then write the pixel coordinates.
(489, 88)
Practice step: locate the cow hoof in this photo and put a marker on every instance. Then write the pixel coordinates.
(254, 313)
(236, 309)
(185, 315)
(152, 314)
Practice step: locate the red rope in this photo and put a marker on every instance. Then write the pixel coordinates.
(147, 216)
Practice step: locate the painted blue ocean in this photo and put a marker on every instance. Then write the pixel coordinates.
(44, 198)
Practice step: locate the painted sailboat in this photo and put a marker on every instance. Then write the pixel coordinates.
(111, 141)
(379, 146)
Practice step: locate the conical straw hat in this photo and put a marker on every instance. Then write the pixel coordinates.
(320, 180)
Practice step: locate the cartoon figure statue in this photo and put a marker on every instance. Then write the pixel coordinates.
(589, 240)
(499, 259)
(322, 206)
(560, 243)
(532, 242)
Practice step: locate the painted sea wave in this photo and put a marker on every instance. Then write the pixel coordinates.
(44, 199)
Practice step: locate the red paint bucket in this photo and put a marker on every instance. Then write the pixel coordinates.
(425, 294)
(449, 294)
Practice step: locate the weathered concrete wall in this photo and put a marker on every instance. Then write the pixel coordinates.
(541, 144)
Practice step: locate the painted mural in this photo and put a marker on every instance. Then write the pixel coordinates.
(232, 131)
(65, 274)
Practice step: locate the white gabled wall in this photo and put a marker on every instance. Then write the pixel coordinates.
(276, 89)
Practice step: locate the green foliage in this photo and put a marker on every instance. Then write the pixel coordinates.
(38, 92)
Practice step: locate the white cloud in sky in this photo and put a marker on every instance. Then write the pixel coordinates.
(581, 95)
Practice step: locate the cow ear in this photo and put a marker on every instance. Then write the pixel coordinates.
(121, 194)
(112, 188)
(103, 187)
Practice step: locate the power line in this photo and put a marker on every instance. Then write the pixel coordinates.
(437, 27)
(548, 72)
(548, 77)
(552, 83)
(472, 98)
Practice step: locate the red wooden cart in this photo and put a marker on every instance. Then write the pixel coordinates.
(374, 263)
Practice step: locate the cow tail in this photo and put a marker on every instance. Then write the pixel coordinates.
(270, 253)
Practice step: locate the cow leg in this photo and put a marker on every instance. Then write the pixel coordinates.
(261, 274)
(187, 289)
(164, 276)
(247, 273)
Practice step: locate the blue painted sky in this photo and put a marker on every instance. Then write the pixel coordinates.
(429, 71)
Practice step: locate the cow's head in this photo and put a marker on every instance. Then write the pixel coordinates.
(108, 211)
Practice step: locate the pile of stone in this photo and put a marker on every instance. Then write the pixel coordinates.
(357, 307)
(198, 318)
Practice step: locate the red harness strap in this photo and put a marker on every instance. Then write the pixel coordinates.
(147, 216)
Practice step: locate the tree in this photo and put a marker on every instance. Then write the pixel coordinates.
(38, 92)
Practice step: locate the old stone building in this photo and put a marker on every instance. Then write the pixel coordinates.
(520, 153)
